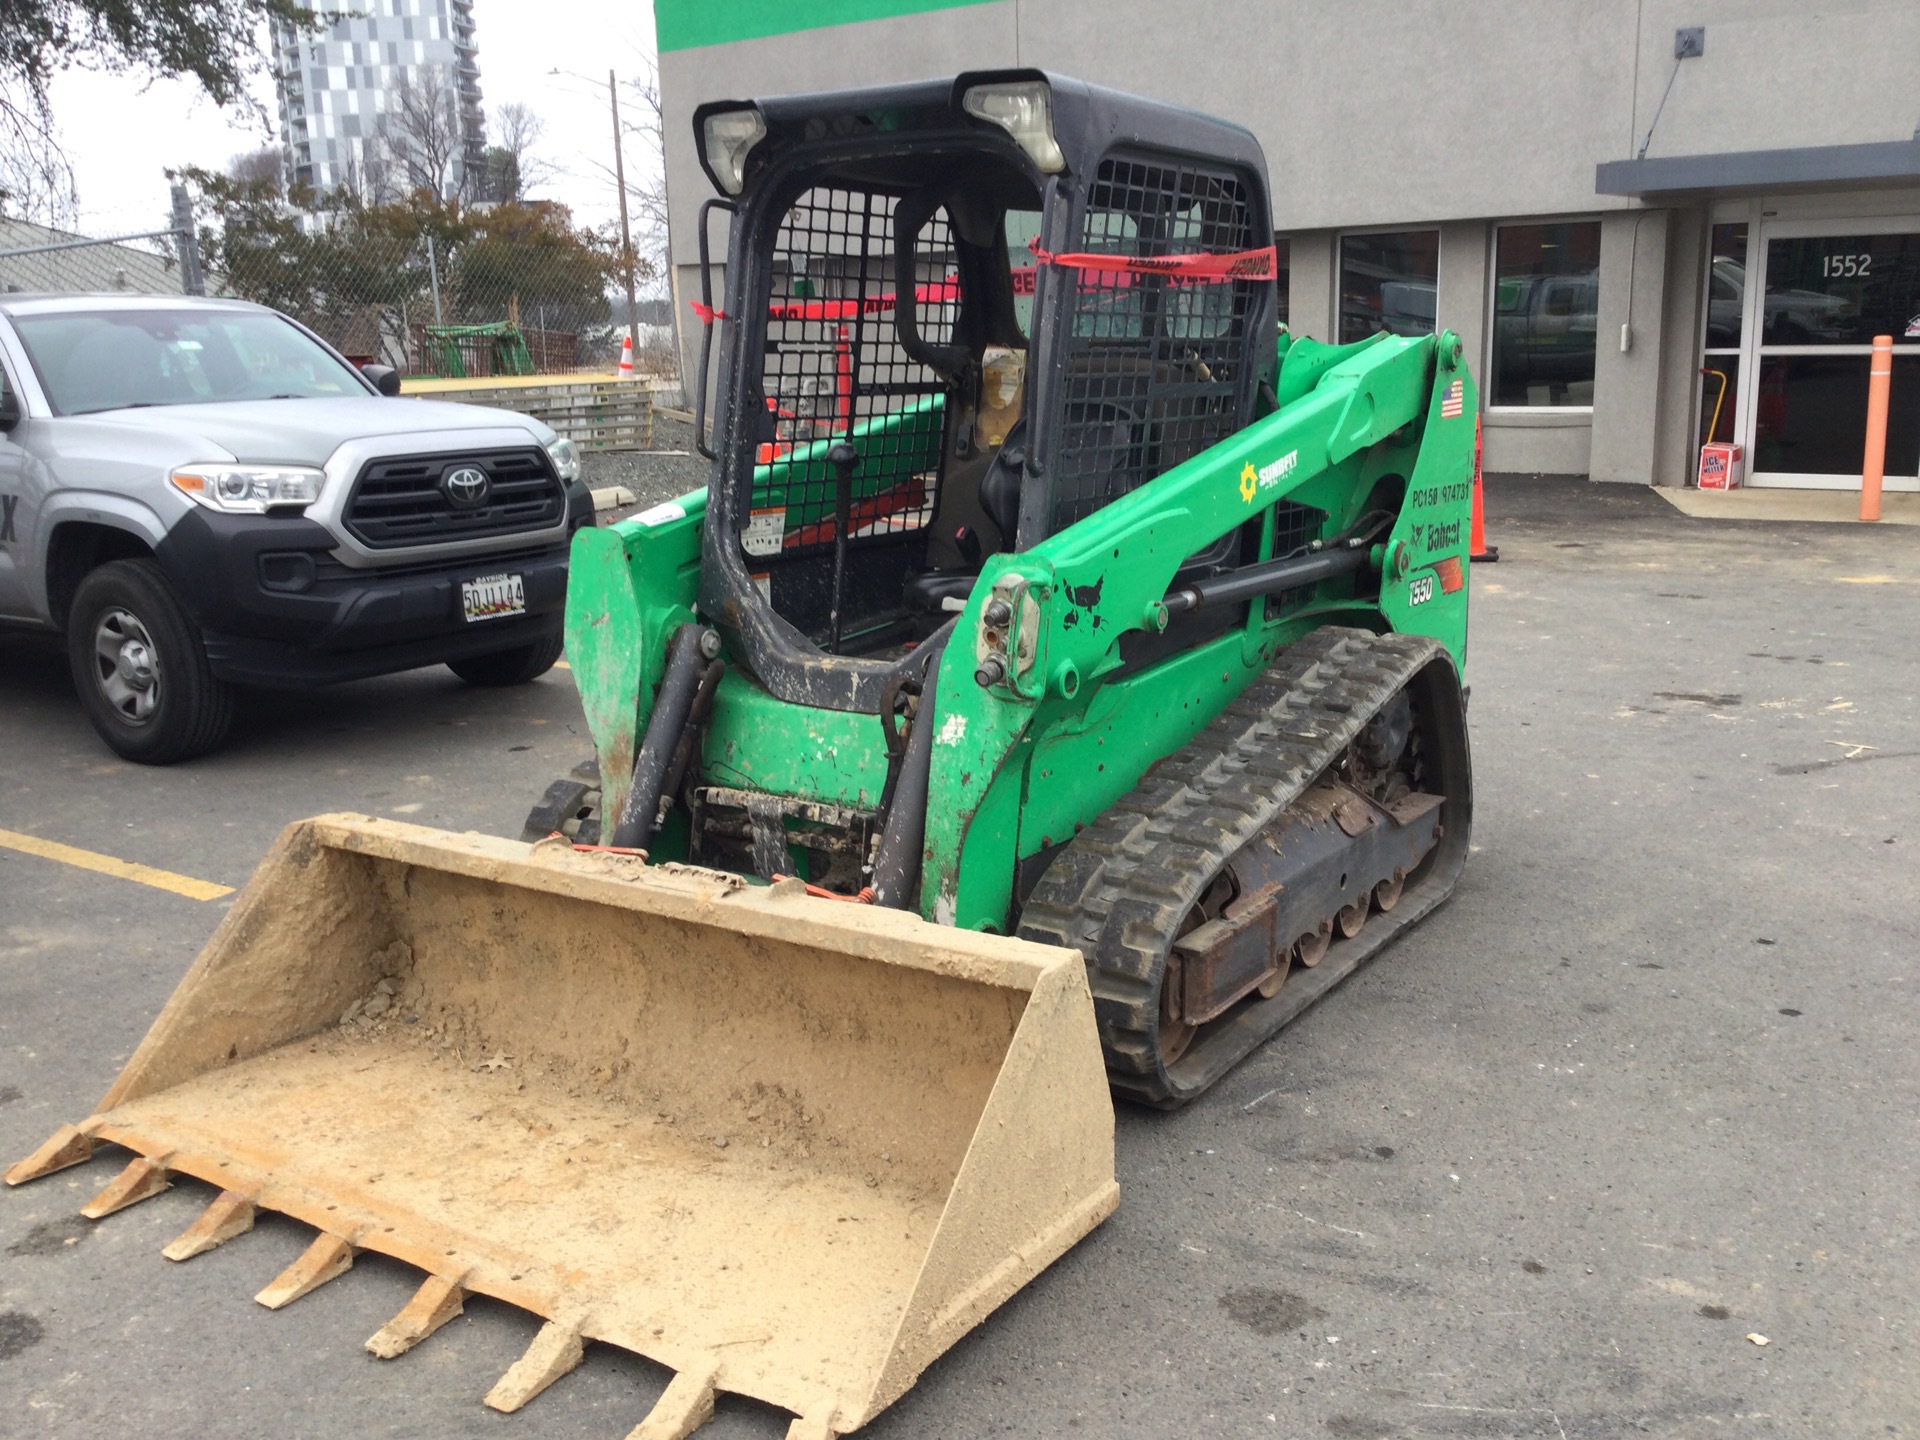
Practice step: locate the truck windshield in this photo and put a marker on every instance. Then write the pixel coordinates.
(93, 360)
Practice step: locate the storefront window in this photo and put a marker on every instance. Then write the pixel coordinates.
(1842, 289)
(1389, 282)
(1546, 304)
(1727, 287)
(1726, 319)
(1826, 298)
(1810, 415)
(1719, 397)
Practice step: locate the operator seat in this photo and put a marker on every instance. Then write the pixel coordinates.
(931, 590)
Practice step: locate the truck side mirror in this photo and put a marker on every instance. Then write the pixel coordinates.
(385, 378)
(10, 414)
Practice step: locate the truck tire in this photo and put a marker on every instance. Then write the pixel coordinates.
(510, 667)
(141, 668)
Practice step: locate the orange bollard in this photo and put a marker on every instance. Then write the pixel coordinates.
(1477, 548)
(1879, 379)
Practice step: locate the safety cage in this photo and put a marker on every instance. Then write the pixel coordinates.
(938, 345)
(1153, 366)
(834, 369)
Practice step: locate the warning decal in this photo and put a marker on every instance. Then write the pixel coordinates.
(765, 531)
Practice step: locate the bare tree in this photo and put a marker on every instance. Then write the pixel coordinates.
(214, 42)
(36, 178)
(641, 118)
(262, 165)
(513, 170)
(370, 176)
(421, 130)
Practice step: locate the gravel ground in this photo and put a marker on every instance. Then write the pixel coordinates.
(670, 468)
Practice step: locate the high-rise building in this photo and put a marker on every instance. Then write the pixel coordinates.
(340, 92)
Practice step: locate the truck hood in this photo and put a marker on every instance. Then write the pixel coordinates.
(299, 432)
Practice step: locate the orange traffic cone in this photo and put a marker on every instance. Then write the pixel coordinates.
(1478, 549)
(626, 356)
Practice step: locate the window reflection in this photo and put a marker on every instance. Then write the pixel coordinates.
(1727, 287)
(1842, 289)
(1810, 415)
(1545, 313)
(1389, 282)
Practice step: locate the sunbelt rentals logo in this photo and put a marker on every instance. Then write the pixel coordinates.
(1267, 476)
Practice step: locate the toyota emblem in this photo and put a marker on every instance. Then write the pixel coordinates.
(466, 487)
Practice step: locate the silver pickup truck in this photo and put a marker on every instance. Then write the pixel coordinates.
(201, 494)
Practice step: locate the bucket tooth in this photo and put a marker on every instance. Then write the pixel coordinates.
(685, 1405)
(141, 1180)
(810, 1427)
(327, 1258)
(436, 1302)
(230, 1214)
(69, 1145)
(554, 1351)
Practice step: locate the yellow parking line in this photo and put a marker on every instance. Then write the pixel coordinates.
(106, 865)
(561, 665)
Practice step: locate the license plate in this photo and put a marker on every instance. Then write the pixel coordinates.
(492, 596)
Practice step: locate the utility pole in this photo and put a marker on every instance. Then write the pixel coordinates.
(193, 280)
(626, 236)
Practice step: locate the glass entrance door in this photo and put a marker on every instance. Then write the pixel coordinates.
(1828, 289)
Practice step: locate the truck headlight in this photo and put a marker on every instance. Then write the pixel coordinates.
(248, 489)
(566, 460)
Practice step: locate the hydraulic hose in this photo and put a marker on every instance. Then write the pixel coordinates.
(640, 816)
(896, 864)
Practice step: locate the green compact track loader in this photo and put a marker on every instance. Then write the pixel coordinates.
(1044, 585)
(1055, 690)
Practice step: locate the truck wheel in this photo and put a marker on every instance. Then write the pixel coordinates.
(141, 668)
(510, 667)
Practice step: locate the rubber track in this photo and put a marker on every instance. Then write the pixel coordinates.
(1121, 889)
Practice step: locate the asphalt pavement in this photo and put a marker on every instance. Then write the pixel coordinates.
(1621, 1142)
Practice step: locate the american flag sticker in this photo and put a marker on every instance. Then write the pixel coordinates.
(1454, 400)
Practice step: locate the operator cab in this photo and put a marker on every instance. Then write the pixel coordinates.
(919, 367)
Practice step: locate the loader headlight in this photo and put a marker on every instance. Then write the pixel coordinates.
(248, 489)
(728, 136)
(1024, 109)
(566, 460)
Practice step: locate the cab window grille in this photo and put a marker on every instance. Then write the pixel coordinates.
(1152, 372)
(834, 369)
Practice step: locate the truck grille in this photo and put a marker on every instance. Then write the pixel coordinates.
(400, 500)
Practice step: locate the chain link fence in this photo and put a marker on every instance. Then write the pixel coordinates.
(431, 288)
(35, 259)
(38, 259)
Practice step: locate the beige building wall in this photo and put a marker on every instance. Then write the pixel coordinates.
(1427, 114)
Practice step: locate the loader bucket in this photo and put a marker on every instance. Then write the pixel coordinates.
(789, 1147)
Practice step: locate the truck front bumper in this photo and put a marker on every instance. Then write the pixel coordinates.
(276, 609)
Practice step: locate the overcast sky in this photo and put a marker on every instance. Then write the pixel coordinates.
(122, 138)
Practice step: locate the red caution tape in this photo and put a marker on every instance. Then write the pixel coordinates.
(1241, 265)
(936, 292)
